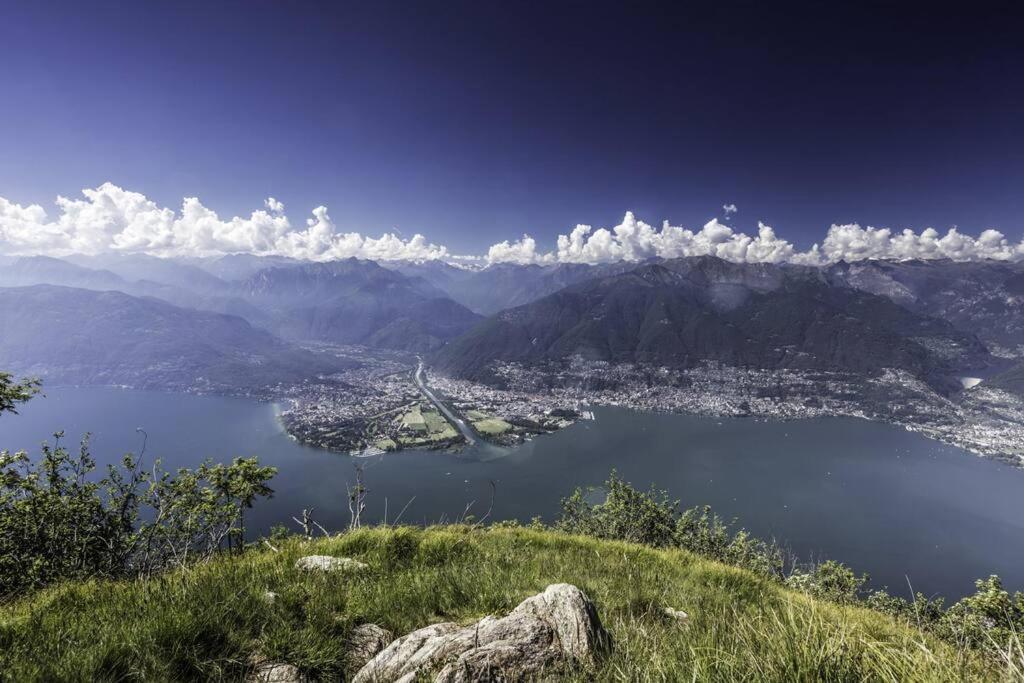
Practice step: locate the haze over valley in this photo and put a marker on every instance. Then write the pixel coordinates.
(934, 345)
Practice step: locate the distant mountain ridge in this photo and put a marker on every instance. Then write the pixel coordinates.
(349, 301)
(79, 336)
(683, 312)
(357, 302)
(985, 298)
(423, 306)
(505, 285)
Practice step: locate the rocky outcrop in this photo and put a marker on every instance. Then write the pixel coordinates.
(277, 673)
(555, 628)
(326, 563)
(364, 643)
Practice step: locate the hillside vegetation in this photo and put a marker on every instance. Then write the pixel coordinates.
(212, 620)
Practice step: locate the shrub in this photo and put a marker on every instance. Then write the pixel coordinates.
(990, 617)
(653, 519)
(12, 393)
(626, 514)
(58, 520)
(829, 580)
(923, 612)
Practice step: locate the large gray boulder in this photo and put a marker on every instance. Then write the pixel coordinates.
(326, 563)
(557, 627)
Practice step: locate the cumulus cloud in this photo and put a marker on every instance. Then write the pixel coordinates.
(109, 218)
(522, 252)
(634, 240)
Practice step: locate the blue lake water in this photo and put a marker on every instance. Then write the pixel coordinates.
(889, 502)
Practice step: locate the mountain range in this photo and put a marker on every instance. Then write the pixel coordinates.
(684, 312)
(79, 336)
(935, 319)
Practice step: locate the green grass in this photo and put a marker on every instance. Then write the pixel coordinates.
(206, 622)
(492, 426)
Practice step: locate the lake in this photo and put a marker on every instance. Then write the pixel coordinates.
(886, 501)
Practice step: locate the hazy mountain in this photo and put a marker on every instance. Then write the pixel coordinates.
(984, 298)
(238, 267)
(79, 336)
(357, 302)
(37, 270)
(23, 271)
(163, 271)
(682, 312)
(505, 285)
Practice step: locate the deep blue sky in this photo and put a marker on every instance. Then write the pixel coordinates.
(475, 122)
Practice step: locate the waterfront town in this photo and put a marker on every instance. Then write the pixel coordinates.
(377, 406)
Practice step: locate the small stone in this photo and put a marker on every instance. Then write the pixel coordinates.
(676, 614)
(277, 673)
(326, 563)
(364, 643)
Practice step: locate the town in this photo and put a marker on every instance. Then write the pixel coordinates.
(377, 406)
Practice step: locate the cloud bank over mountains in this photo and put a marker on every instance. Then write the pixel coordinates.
(634, 239)
(111, 219)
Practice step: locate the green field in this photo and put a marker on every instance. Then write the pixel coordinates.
(207, 622)
(492, 426)
(487, 424)
(423, 425)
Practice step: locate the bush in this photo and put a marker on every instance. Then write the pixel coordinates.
(829, 580)
(626, 514)
(990, 617)
(923, 612)
(653, 519)
(12, 393)
(59, 521)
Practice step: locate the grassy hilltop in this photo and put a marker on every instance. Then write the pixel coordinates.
(210, 620)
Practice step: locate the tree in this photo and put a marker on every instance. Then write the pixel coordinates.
(13, 393)
(625, 514)
(240, 484)
(59, 519)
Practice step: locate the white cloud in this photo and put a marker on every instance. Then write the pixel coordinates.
(729, 210)
(109, 218)
(633, 240)
(523, 251)
(851, 242)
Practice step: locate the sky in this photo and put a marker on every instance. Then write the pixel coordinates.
(474, 123)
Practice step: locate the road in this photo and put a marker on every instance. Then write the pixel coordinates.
(459, 423)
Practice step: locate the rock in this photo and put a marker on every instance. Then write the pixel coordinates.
(676, 614)
(364, 643)
(326, 563)
(277, 673)
(557, 626)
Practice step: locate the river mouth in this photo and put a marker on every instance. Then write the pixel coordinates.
(886, 501)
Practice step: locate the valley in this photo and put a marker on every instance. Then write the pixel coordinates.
(345, 345)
